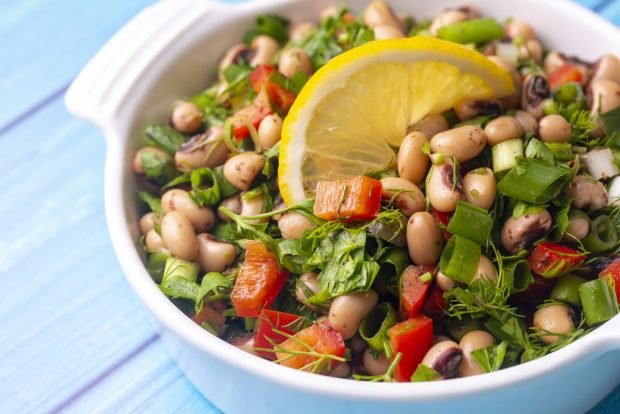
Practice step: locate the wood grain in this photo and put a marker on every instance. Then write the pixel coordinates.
(74, 337)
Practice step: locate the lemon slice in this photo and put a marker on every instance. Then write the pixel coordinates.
(356, 109)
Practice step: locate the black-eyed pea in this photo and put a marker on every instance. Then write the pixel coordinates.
(553, 61)
(294, 60)
(385, 31)
(270, 130)
(528, 122)
(202, 218)
(214, 255)
(147, 222)
(412, 161)
(242, 169)
(473, 341)
(502, 129)
(531, 49)
(251, 206)
(604, 96)
(179, 236)
(430, 125)
(186, 117)
(471, 108)
(520, 232)
(587, 194)
(263, 50)
(239, 53)
(444, 282)
(292, 225)
(535, 91)
(154, 242)
(443, 186)
(464, 143)
(424, 239)
(480, 188)
(379, 13)
(375, 366)
(403, 194)
(578, 228)
(202, 150)
(554, 128)
(347, 311)
(298, 32)
(308, 285)
(554, 319)
(518, 29)
(485, 270)
(447, 18)
(445, 358)
(342, 370)
(233, 204)
(607, 68)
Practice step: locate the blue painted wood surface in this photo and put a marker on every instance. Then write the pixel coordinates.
(73, 337)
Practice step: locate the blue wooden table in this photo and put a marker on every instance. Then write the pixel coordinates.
(73, 336)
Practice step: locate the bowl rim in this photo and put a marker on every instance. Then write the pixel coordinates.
(182, 326)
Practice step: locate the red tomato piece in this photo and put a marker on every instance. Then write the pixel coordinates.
(259, 281)
(320, 338)
(552, 259)
(212, 314)
(414, 290)
(443, 219)
(260, 76)
(252, 114)
(435, 304)
(270, 321)
(412, 338)
(613, 271)
(354, 199)
(565, 74)
(280, 97)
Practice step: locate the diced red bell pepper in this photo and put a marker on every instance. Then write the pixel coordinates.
(259, 281)
(355, 199)
(252, 114)
(565, 74)
(414, 290)
(280, 97)
(613, 271)
(435, 304)
(552, 259)
(443, 219)
(270, 321)
(319, 338)
(412, 338)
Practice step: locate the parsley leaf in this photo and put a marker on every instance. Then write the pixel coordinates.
(492, 357)
(150, 200)
(165, 137)
(270, 25)
(215, 113)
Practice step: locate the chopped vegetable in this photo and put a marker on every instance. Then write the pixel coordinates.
(564, 74)
(412, 338)
(414, 289)
(476, 31)
(259, 281)
(471, 222)
(552, 259)
(374, 328)
(612, 271)
(460, 258)
(603, 235)
(271, 330)
(355, 199)
(599, 300)
(505, 154)
(567, 289)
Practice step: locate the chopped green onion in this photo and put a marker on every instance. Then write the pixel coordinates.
(374, 328)
(476, 31)
(459, 259)
(567, 289)
(471, 222)
(600, 163)
(562, 151)
(535, 181)
(538, 150)
(602, 236)
(520, 275)
(209, 186)
(505, 154)
(599, 301)
(426, 277)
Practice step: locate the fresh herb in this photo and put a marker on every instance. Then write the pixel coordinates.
(210, 186)
(157, 167)
(537, 150)
(492, 357)
(374, 328)
(611, 121)
(424, 373)
(154, 203)
(270, 25)
(237, 77)
(156, 265)
(389, 225)
(165, 137)
(215, 113)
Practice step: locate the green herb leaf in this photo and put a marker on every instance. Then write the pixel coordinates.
(165, 137)
(270, 25)
(154, 203)
(424, 374)
(611, 121)
(215, 113)
(492, 357)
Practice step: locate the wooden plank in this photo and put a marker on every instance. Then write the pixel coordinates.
(46, 43)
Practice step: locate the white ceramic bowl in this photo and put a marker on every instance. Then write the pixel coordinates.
(171, 49)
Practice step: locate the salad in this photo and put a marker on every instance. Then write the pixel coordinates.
(384, 198)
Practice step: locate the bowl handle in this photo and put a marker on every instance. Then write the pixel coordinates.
(98, 92)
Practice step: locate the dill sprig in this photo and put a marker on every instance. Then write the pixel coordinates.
(387, 377)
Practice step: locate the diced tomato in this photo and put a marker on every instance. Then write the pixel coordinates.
(270, 320)
(252, 114)
(565, 74)
(613, 271)
(552, 259)
(435, 304)
(212, 314)
(414, 290)
(412, 338)
(260, 76)
(319, 338)
(354, 199)
(259, 281)
(443, 219)
(280, 97)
